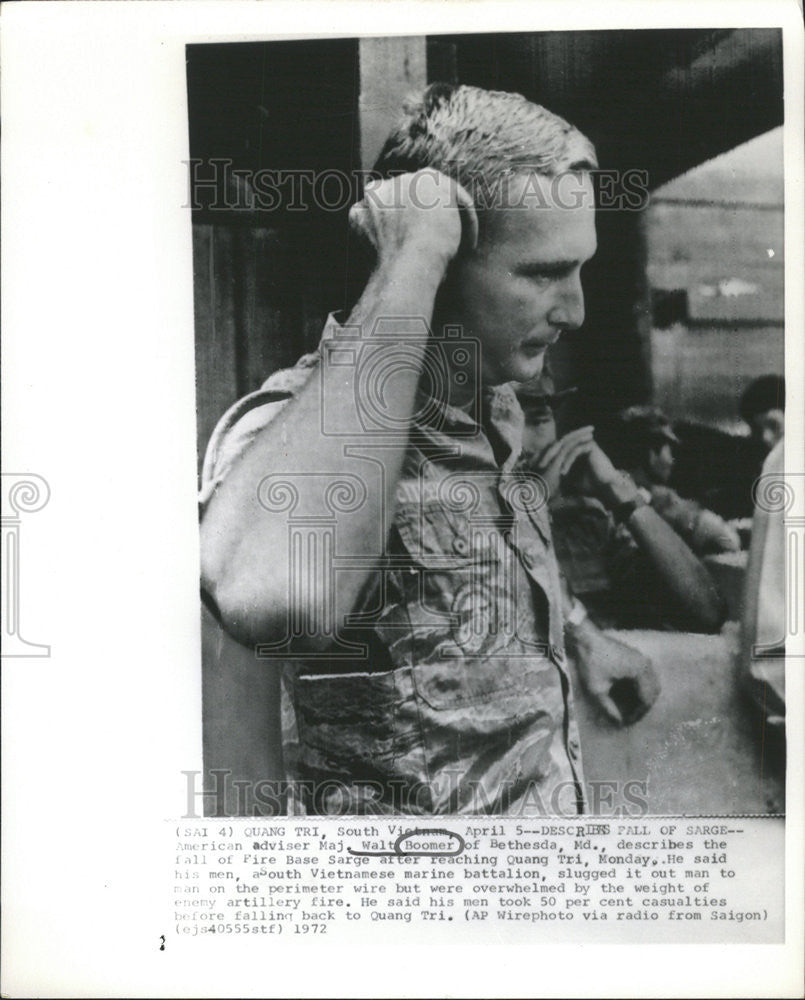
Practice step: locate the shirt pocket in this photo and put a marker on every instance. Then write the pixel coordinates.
(460, 603)
(445, 559)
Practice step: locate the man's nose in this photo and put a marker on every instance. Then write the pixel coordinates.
(568, 309)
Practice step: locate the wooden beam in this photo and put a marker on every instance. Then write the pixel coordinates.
(390, 69)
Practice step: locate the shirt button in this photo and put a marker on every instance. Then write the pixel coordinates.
(574, 747)
(460, 546)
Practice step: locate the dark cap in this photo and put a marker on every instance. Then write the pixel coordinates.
(647, 423)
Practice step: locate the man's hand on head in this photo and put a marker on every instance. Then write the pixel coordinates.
(620, 680)
(426, 215)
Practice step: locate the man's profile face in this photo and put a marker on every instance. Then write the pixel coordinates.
(767, 428)
(521, 287)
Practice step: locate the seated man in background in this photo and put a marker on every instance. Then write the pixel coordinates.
(628, 566)
(762, 406)
(642, 444)
(719, 468)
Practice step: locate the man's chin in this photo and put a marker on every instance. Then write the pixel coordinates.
(526, 369)
(516, 370)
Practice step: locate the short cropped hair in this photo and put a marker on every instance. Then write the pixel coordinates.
(764, 394)
(479, 137)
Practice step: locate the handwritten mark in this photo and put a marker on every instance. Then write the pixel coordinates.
(398, 852)
(162, 939)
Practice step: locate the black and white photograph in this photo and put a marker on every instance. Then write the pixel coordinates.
(491, 401)
(403, 504)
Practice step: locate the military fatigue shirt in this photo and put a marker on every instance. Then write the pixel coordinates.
(463, 703)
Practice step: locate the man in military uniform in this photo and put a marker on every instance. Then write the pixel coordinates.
(424, 611)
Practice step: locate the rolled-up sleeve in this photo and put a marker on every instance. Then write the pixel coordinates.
(244, 420)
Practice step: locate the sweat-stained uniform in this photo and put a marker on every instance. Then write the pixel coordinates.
(463, 703)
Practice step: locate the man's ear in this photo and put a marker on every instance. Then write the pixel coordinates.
(469, 220)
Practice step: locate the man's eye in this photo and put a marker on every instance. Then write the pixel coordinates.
(539, 277)
(546, 274)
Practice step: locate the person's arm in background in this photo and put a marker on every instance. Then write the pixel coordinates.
(416, 232)
(620, 680)
(704, 531)
(683, 575)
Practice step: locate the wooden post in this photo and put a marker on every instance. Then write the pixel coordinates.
(390, 69)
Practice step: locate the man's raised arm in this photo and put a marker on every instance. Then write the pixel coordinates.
(414, 225)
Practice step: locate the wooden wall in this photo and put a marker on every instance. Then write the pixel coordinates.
(265, 280)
